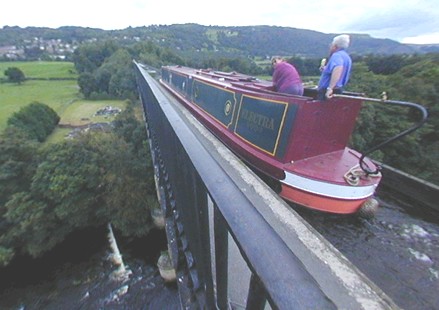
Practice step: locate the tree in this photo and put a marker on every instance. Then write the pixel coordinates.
(69, 178)
(36, 119)
(87, 84)
(363, 80)
(34, 227)
(86, 182)
(418, 82)
(129, 189)
(122, 83)
(15, 75)
(114, 78)
(17, 163)
(6, 255)
(385, 64)
(88, 57)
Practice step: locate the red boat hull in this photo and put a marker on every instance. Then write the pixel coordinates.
(321, 203)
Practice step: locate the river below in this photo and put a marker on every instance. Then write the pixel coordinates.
(79, 275)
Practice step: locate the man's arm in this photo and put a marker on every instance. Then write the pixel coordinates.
(335, 77)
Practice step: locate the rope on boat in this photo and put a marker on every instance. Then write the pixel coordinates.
(354, 175)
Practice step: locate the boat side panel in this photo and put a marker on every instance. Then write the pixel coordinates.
(265, 124)
(217, 102)
(178, 81)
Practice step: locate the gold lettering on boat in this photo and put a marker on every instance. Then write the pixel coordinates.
(256, 121)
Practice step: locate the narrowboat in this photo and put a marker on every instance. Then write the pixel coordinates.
(298, 142)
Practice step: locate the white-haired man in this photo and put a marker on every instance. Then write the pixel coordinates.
(335, 74)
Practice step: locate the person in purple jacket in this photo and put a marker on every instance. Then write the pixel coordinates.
(286, 79)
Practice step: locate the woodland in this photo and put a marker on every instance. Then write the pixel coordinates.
(83, 182)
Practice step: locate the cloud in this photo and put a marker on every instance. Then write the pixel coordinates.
(422, 39)
(400, 21)
(393, 19)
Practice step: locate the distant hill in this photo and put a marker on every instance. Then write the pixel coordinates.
(222, 41)
(425, 48)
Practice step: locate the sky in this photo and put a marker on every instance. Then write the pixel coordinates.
(406, 21)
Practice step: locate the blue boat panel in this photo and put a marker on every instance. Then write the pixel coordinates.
(218, 102)
(261, 123)
(165, 75)
(179, 82)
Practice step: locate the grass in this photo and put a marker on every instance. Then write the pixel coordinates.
(42, 69)
(57, 135)
(82, 112)
(56, 94)
(61, 95)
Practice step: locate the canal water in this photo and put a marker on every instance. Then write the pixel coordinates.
(398, 249)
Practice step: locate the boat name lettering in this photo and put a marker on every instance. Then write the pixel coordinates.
(257, 119)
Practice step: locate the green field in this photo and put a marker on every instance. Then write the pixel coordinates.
(82, 112)
(56, 94)
(61, 95)
(42, 69)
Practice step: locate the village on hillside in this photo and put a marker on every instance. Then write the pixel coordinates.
(54, 49)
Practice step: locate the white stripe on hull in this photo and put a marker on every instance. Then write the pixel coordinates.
(328, 189)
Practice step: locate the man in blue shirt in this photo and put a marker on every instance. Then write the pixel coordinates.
(335, 74)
